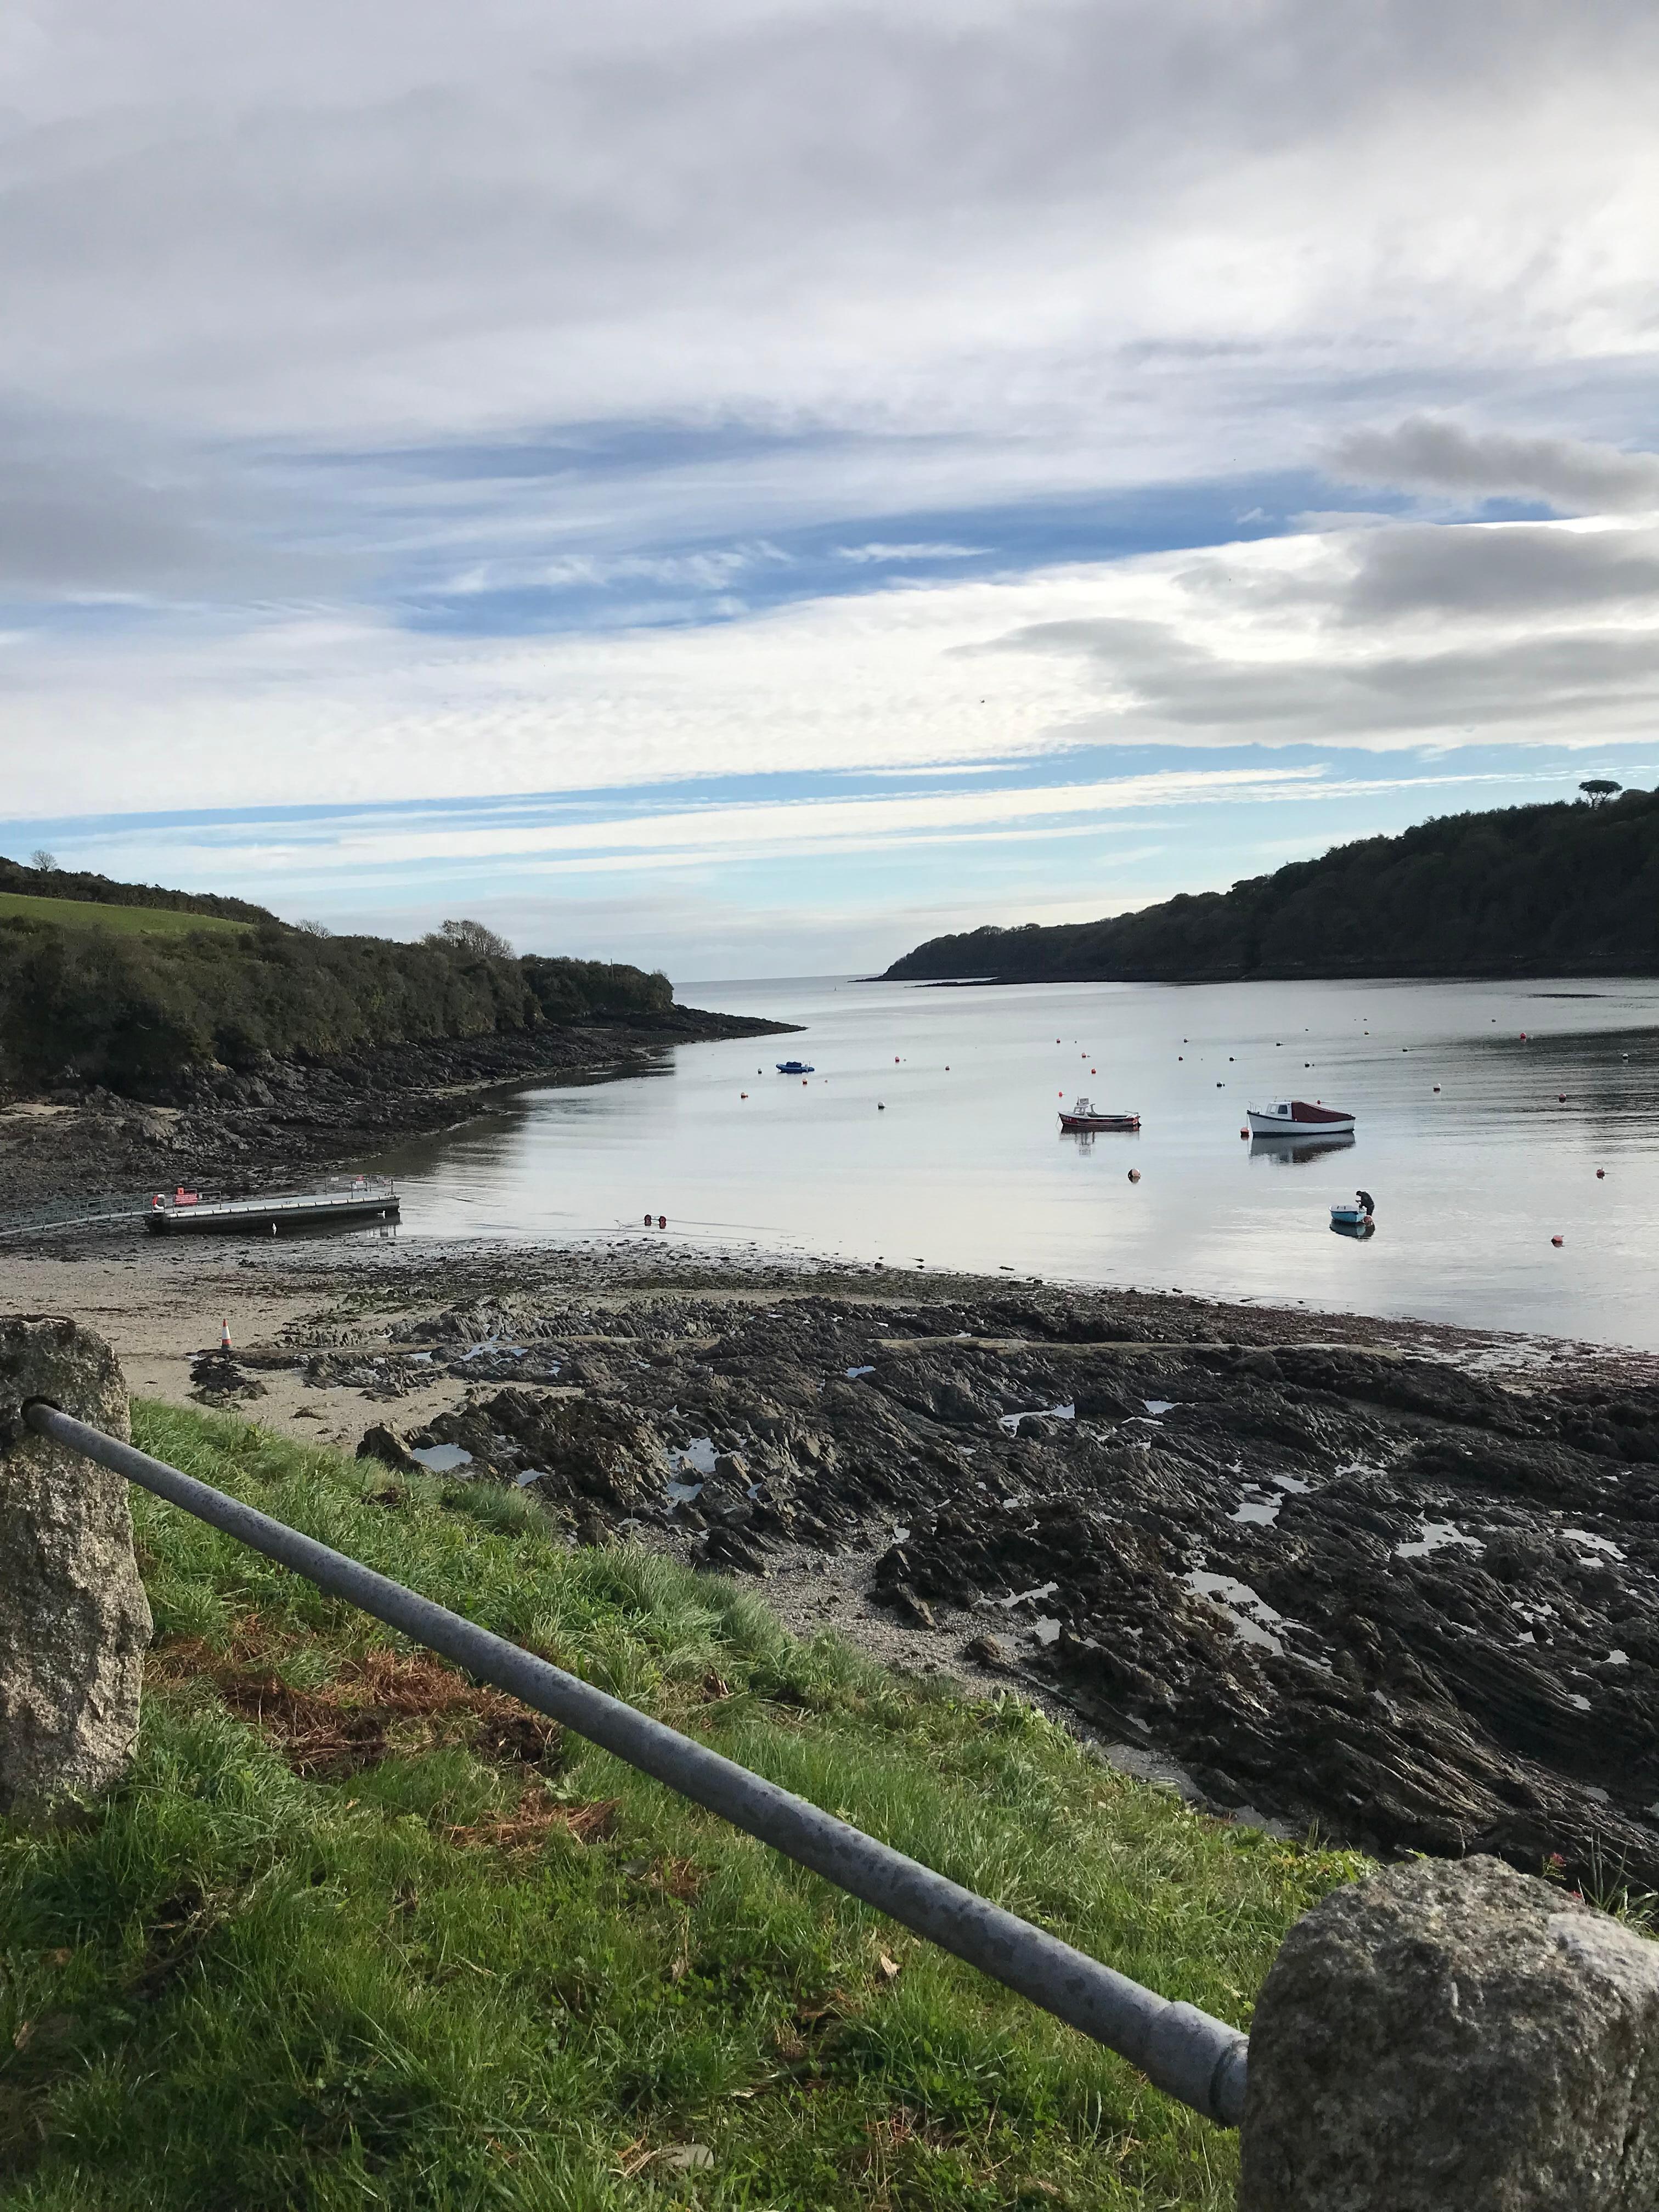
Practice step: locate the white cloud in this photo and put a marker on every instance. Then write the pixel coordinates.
(879, 552)
(315, 316)
(708, 834)
(983, 250)
(1391, 638)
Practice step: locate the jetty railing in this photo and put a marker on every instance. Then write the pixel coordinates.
(1186, 2053)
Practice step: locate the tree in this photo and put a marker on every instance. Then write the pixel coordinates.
(1598, 789)
(313, 929)
(46, 862)
(464, 936)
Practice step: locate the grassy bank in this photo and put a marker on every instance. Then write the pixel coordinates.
(121, 921)
(356, 1933)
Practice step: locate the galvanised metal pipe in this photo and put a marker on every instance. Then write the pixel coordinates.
(1185, 2052)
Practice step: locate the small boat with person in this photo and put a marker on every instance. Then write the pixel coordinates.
(1354, 1217)
(1298, 1117)
(1085, 1117)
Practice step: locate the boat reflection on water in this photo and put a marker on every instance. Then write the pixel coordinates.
(1297, 1152)
(1359, 1229)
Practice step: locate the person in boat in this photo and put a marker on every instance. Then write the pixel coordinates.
(1367, 1201)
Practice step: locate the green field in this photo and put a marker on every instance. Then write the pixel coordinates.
(123, 921)
(356, 1933)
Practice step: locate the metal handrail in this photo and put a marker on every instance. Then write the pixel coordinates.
(1187, 2053)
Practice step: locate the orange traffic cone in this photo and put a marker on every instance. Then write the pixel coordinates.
(224, 1336)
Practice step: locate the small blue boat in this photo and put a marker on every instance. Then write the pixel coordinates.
(795, 1068)
(1355, 1220)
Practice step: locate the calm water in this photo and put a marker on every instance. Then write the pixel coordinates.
(965, 1166)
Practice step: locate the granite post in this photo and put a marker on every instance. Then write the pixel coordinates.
(73, 1621)
(1455, 2036)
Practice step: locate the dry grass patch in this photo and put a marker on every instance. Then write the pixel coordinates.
(528, 1827)
(377, 1703)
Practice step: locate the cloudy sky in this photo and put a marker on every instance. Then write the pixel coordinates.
(747, 486)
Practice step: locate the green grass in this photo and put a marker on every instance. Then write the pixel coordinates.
(434, 1969)
(123, 921)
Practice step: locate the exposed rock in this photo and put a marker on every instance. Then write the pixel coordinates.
(74, 1622)
(217, 1380)
(911, 1609)
(586, 1447)
(384, 1443)
(1336, 1581)
(1454, 2036)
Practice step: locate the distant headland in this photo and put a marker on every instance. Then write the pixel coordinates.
(1570, 888)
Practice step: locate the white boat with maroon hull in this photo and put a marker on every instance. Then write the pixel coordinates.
(1295, 1117)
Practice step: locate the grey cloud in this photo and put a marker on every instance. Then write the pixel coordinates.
(1552, 683)
(1430, 453)
(1507, 572)
(268, 226)
(78, 520)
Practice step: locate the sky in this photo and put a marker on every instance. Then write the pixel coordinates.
(745, 488)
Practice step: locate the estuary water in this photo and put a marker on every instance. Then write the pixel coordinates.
(927, 1135)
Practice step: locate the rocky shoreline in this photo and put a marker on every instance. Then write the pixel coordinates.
(76, 1148)
(1397, 1582)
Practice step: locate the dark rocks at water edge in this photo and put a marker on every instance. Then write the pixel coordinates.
(1354, 1584)
(233, 1130)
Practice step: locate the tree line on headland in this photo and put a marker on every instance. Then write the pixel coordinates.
(1566, 889)
(138, 1011)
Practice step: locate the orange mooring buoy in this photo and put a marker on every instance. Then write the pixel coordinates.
(1557, 1240)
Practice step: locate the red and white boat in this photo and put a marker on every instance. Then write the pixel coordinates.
(1086, 1116)
(1295, 1117)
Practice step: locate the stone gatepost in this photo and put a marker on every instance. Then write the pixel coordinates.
(1455, 2038)
(74, 1622)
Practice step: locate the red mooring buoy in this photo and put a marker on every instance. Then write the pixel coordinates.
(1557, 1240)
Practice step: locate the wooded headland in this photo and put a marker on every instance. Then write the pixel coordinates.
(1566, 889)
(109, 983)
